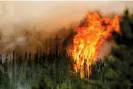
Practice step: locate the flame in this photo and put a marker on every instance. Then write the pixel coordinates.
(89, 39)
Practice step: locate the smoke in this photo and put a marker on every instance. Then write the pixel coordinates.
(30, 23)
(52, 15)
(106, 48)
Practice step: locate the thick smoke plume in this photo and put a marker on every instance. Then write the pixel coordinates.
(26, 26)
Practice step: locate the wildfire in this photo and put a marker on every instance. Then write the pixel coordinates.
(89, 39)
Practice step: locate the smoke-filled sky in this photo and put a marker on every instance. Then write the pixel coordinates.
(49, 15)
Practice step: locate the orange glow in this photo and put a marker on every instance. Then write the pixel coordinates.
(89, 39)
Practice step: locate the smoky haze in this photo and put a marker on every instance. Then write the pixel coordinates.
(41, 19)
(51, 15)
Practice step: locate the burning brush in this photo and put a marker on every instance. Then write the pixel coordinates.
(89, 39)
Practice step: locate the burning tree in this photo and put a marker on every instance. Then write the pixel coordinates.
(89, 39)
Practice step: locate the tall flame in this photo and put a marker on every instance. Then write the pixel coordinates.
(89, 39)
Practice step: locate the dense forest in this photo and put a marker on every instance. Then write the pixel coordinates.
(54, 70)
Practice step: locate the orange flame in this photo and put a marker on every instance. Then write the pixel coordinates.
(89, 39)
